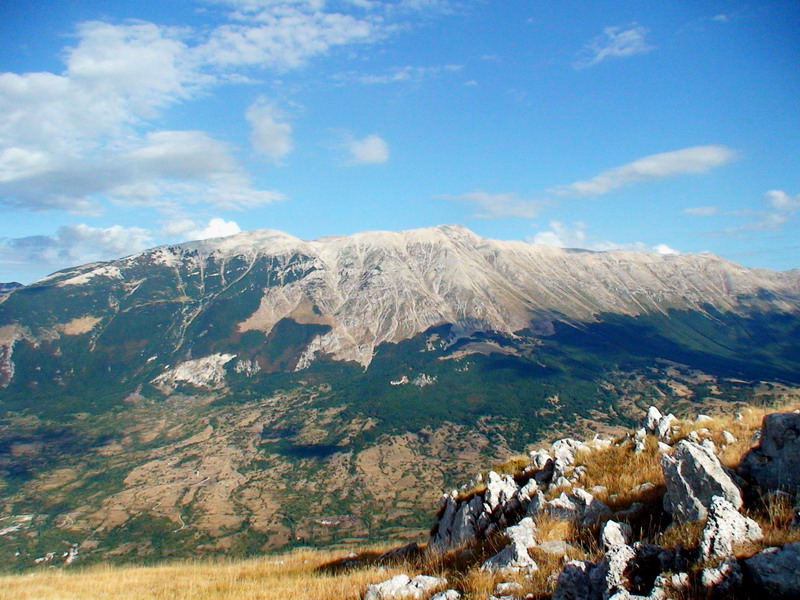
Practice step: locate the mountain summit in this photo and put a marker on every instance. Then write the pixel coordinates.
(376, 287)
(251, 391)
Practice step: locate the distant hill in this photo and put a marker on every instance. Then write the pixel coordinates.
(5, 288)
(259, 390)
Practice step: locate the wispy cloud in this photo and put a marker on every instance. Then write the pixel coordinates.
(71, 245)
(562, 235)
(614, 42)
(405, 74)
(268, 135)
(495, 206)
(702, 211)
(781, 209)
(697, 159)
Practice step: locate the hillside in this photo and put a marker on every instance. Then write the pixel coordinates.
(626, 472)
(250, 393)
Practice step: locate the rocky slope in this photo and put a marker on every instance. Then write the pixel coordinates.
(255, 391)
(696, 529)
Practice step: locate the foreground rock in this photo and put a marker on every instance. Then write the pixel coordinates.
(402, 586)
(693, 476)
(774, 573)
(775, 463)
(625, 572)
(725, 528)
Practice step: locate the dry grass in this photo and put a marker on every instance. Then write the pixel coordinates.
(294, 575)
(620, 471)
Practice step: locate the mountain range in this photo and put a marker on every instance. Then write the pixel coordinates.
(251, 392)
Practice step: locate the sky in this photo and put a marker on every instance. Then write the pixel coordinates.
(669, 127)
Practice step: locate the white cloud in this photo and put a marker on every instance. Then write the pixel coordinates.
(269, 136)
(614, 42)
(404, 74)
(781, 201)
(664, 249)
(494, 206)
(73, 245)
(693, 160)
(565, 236)
(372, 149)
(782, 208)
(66, 137)
(702, 211)
(189, 229)
(284, 36)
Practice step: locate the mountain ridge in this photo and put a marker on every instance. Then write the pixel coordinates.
(260, 391)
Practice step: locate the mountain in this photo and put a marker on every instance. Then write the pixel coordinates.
(7, 288)
(258, 390)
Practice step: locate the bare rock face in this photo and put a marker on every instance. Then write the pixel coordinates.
(652, 419)
(725, 528)
(775, 463)
(447, 595)
(574, 582)
(693, 476)
(615, 533)
(402, 586)
(578, 506)
(624, 573)
(723, 580)
(774, 573)
(512, 559)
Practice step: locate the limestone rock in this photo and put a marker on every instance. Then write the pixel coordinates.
(609, 576)
(507, 588)
(578, 506)
(653, 417)
(458, 524)
(447, 595)
(664, 428)
(566, 448)
(615, 533)
(773, 573)
(391, 588)
(523, 533)
(512, 559)
(639, 438)
(499, 490)
(554, 547)
(693, 476)
(724, 580)
(574, 581)
(536, 504)
(775, 463)
(726, 527)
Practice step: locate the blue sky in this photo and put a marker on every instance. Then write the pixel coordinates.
(659, 126)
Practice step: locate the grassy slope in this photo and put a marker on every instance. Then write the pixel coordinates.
(324, 575)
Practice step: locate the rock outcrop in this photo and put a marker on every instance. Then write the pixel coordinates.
(775, 463)
(697, 487)
(402, 586)
(725, 528)
(693, 476)
(774, 573)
